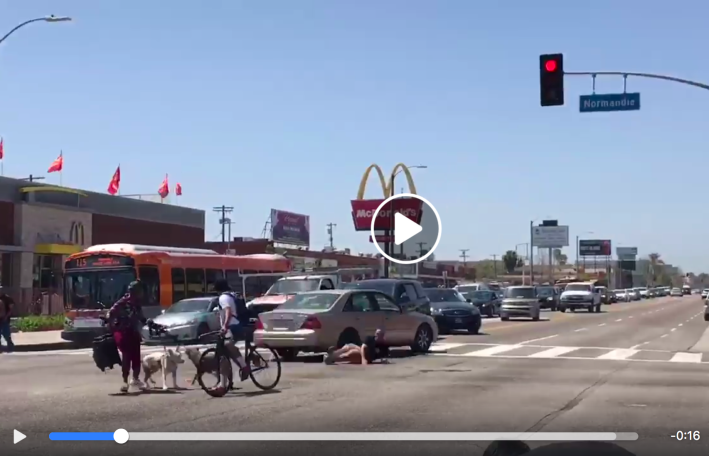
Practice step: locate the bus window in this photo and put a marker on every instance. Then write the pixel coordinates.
(253, 288)
(178, 284)
(212, 276)
(150, 279)
(234, 280)
(195, 282)
(266, 282)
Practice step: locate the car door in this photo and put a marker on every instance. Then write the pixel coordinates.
(360, 312)
(394, 322)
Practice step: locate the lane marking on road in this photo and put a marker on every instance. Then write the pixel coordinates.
(553, 352)
(639, 345)
(683, 357)
(663, 336)
(681, 324)
(630, 316)
(443, 347)
(620, 354)
(492, 351)
(602, 324)
(580, 329)
(537, 340)
(673, 329)
(619, 320)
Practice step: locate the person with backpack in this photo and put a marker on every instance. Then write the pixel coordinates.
(7, 305)
(234, 318)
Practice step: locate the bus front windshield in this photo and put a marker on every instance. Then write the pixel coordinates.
(96, 289)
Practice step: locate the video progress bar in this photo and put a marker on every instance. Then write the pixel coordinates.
(383, 436)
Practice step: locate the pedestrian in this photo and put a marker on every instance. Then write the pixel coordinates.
(7, 305)
(125, 320)
(374, 348)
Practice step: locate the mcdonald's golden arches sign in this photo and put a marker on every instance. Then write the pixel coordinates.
(363, 210)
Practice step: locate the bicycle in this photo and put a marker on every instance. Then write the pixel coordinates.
(213, 360)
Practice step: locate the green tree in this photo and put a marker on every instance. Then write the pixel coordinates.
(510, 260)
(485, 269)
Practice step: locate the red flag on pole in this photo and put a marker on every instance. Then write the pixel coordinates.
(164, 189)
(115, 183)
(2, 148)
(178, 190)
(57, 164)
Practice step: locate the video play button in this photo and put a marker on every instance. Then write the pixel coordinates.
(414, 228)
(404, 229)
(17, 436)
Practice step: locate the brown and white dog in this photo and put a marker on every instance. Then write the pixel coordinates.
(166, 362)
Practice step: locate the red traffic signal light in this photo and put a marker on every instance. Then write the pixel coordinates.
(551, 79)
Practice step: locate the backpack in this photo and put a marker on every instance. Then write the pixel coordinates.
(242, 312)
(105, 352)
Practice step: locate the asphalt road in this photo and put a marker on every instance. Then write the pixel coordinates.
(637, 367)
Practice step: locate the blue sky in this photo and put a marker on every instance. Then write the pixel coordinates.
(284, 104)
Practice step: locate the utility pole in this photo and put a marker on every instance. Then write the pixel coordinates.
(421, 250)
(494, 264)
(330, 227)
(32, 178)
(464, 256)
(223, 220)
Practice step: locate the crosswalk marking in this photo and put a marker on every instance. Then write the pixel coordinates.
(553, 352)
(493, 350)
(443, 347)
(683, 357)
(619, 354)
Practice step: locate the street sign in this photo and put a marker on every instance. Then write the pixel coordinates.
(609, 102)
(626, 251)
(550, 236)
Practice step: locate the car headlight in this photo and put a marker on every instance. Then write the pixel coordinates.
(435, 311)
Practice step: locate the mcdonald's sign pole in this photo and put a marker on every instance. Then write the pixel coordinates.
(363, 210)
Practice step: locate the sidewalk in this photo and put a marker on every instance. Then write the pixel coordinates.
(39, 341)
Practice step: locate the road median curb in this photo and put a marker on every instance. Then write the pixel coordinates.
(49, 346)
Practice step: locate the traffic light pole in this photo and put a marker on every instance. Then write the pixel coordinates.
(640, 75)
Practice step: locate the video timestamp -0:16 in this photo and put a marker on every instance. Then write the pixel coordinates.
(685, 435)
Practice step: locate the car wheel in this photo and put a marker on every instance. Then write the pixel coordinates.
(505, 318)
(535, 318)
(598, 308)
(490, 312)
(553, 308)
(706, 317)
(423, 339)
(349, 336)
(288, 354)
(562, 309)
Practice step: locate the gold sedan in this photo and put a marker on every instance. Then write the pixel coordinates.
(316, 320)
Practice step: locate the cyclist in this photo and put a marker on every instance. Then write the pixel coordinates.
(234, 316)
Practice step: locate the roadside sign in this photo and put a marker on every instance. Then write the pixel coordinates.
(609, 102)
(626, 251)
(595, 247)
(550, 236)
(363, 211)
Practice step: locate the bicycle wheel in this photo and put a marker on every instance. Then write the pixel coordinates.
(212, 365)
(264, 361)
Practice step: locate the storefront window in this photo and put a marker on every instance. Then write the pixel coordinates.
(47, 272)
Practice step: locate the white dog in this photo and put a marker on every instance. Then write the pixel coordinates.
(166, 362)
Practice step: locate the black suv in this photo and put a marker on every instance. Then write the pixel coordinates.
(408, 294)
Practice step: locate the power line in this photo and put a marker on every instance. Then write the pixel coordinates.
(223, 220)
(330, 227)
(464, 256)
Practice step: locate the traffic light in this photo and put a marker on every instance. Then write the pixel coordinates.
(551, 79)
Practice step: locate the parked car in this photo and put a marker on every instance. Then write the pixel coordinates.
(408, 294)
(187, 320)
(487, 301)
(452, 312)
(622, 295)
(676, 293)
(635, 294)
(317, 320)
(605, 294)
(548, 297)
(705, 293)
(520, 301)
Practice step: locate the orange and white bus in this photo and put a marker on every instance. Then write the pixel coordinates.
(97, 277)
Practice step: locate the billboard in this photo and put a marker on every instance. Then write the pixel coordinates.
(550, 236)
(626, 251)
(290, 228)
(595, 247)
(363, 209)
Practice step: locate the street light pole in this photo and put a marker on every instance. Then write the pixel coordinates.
(526, 244)
(531, 252)
(39, 19)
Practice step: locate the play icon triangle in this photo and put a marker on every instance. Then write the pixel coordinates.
(404, 229)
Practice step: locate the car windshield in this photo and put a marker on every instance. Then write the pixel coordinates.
(578, 287)
(479, 295)
(311, 301)
(545, 292)
(443, 295)
(379, 285)
(286, 286)
(189, 305)
(520, 293)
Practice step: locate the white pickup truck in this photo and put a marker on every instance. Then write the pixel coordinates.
(580, 295)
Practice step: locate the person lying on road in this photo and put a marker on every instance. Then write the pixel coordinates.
(373, 349)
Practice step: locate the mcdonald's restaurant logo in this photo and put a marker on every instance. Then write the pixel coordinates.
(363, 210)
(77, 234)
